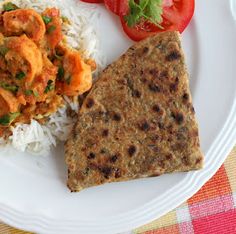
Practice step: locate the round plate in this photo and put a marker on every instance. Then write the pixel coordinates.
(34, 195)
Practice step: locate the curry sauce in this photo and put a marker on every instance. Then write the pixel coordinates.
(37, 67)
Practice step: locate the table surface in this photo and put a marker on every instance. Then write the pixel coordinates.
(210, 211)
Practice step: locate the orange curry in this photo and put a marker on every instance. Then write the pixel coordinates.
(36, 66)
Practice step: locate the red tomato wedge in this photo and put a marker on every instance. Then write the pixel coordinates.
(176, 16)
(92, 1)
(118, 7)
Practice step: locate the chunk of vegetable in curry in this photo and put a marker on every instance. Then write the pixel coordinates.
(36, 66)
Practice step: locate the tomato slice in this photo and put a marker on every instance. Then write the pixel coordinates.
(118, 7)
(92, 1)
(176, 17)
(140, 31)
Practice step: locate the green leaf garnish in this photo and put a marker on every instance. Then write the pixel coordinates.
(12, 88)
(150, 10)
(51, 29)
(10, 6)
(20, 75)
(8, 118)
(46, 19)
(60, 73)
(29, 92)
(36, 94)
(3, 50)
(49, 86)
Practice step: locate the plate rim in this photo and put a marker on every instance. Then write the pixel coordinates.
(150, 211)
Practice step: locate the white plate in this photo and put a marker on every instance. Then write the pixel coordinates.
(33, 192)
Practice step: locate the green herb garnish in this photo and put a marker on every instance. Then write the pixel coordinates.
(3, 50)
(46, 19)
(150, 10)
(10, 7)
(51, 29)
(49, 86)
(20, 75)
(36, 94)
(7, 119)
(12, 88)
(60, 73)
(29, 92)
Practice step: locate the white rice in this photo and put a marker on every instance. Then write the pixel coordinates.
(34, 137)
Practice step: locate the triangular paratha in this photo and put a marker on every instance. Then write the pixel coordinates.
(138, 119)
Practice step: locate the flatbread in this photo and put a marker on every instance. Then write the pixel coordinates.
(138, 119)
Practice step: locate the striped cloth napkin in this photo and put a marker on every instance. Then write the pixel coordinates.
(211, 211)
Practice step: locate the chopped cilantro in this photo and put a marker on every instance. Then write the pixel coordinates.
(29, 92)
(3, 50)
(46, 19)
(10, 6)
(36, 94)
(51, 29)
(12, 88)
(49, 86)
(20, 75)
(60, 73)
(8, 118)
